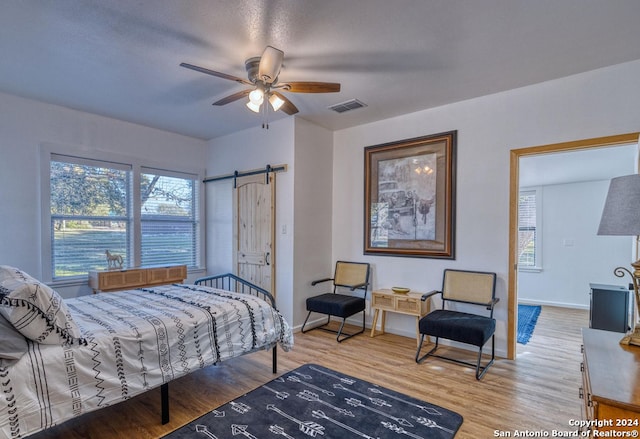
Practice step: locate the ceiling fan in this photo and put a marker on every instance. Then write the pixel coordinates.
(262, 73)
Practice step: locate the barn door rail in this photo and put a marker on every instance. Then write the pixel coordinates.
(236, 174)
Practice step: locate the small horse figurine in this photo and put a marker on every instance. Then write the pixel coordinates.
(113, 260)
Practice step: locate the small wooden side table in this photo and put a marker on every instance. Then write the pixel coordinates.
(408, 303)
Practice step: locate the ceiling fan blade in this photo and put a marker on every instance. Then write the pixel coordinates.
(311, 87)
(270, 64)
(288, 106)
(233, 97)
(214, 73)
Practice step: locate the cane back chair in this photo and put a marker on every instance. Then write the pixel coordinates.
(468, 288)
(351, 275)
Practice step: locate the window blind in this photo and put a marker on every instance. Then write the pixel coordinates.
(90, 214)
(169, 218)
(93, 209)
(527, 228)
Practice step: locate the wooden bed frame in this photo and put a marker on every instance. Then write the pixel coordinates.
(228, 282)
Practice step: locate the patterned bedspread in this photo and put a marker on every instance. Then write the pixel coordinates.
(135, 340)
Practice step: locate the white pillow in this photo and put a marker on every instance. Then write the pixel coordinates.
(34, 309)
(12, 344)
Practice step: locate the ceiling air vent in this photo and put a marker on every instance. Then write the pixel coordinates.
(353, 104)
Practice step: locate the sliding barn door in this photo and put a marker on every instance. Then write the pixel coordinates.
(254, 230)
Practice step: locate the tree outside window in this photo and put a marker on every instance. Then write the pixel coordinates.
(92, 211)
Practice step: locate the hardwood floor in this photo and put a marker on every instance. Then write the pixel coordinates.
(538, 391)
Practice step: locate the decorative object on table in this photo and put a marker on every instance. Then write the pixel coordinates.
(400, 290)
(410, 197)
(314, 401)
(621, 216)
(527, 319)
(114, 261)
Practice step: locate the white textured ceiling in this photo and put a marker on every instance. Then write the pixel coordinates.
(578, 166)
(119, 58)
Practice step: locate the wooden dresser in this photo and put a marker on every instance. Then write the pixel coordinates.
(113, 280)
(611, 381)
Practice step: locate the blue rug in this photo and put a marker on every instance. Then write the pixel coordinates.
(527, 319)
(315, 402)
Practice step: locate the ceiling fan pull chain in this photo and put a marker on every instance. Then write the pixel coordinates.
(265, 114)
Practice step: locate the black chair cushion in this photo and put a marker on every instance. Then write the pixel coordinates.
(339, 305)
(458, 326)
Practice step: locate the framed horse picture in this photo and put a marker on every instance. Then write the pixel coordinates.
(410, 197)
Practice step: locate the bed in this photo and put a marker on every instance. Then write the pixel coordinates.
(63, 358)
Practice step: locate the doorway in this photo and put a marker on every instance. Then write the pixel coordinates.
(516, 156)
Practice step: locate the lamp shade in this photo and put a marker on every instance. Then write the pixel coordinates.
(256, 97)
(621, 213)
(253, 107)
(275, 102)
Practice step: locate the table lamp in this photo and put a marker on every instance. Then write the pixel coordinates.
(621, 216)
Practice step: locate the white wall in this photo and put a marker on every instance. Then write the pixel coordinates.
(573, 255)
(592, 104)
(313, 213)
(25, 126)
(251, 149)
(303, 204)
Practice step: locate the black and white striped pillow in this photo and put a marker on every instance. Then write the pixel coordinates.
(35, 310)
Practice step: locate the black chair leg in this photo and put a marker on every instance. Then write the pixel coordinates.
(339, 340)
(419, 359)
(480, 370)
(305, 322)
(338, 332)
(419, 347)
(493, 357)
(315, 327)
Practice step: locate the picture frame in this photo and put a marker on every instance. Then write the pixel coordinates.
(409, 199)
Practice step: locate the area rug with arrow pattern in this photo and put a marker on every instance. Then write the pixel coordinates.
(313, 401)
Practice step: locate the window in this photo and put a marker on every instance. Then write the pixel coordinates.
(529, 231)
(169, 222)
(147, 216)
(89, 214)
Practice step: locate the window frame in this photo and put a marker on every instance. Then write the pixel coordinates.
(197, 207)
(138, 165)
(537, 266)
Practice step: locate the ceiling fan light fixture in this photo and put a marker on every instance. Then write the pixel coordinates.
(256, 97)
(253, 107)
(275, 102)
(262, 73)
